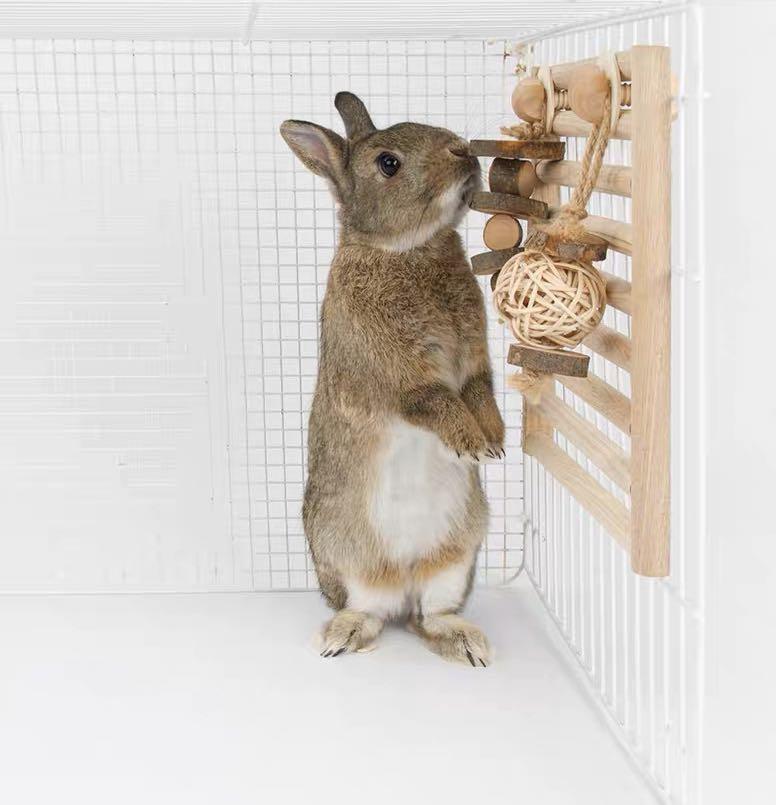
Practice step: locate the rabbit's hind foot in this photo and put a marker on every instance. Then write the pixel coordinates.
(349, 630)
(453, 638)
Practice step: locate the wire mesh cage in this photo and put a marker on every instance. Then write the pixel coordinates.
(165, 262)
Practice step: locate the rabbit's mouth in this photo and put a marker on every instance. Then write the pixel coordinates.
(469, 188)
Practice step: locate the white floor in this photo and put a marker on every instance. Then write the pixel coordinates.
(221, 699)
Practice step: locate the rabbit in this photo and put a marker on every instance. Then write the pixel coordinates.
(403, 413)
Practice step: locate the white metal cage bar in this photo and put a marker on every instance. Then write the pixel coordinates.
(639, 641)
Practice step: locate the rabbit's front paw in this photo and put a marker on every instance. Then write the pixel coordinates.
(349, 630)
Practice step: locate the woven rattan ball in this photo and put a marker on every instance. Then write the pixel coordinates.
(549, 302)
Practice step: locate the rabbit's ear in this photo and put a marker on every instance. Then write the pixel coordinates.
(323, 151)
(354, 115)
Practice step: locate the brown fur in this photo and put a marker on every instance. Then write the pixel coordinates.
(402, 336)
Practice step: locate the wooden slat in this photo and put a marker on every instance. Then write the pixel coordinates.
(489, 262)
(549, 361)
(651, 323)
(561, 73)
(609, 402)
(618, 292)
(614, 179)
(609, 457)
(567, 124)
(517, 206)
(612, 514)
(610, 344)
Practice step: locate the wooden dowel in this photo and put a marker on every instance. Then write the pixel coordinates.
(568, 124)
(609, 457)
(609, 402)
(612, 514)
(610, 344)
(618, 292)
(561, 73)
(651, 322)
(617, 234)
(614, 179)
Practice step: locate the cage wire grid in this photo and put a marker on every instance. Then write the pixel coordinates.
(638, 640)
(169, 256)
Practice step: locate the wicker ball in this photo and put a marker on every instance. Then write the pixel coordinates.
(549, 302)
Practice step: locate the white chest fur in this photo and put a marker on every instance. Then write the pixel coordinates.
(420, 492)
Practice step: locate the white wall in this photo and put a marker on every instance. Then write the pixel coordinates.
(740, 713)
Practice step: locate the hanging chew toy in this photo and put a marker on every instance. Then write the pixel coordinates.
(550, 293)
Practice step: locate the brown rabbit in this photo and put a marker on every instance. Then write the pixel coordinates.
(403, 412)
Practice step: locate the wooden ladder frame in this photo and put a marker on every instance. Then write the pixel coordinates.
(644, 529)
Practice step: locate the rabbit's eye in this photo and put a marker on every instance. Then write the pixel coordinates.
(388, 164)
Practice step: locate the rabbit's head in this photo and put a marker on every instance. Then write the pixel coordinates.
(395, 187)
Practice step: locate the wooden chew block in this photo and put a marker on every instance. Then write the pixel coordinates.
(610, 344)
(528, 99)
(612, 514)
(651, 322)
(588, 91)
(516, 206)
(608, 456)
(488, 262)
(609, 402)
(502, 232)
(614, 179)
(618, 292)
(516, 176)
(588, 249)
(516, 149)
(549, 361)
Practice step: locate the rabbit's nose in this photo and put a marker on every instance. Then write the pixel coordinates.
(459, 149)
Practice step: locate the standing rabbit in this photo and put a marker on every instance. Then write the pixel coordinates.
(403, 412)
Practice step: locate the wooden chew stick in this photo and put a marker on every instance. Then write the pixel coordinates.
(588, 249)
(516, 176)
(502, 232)
(516, 206)
(651, 323)
(614, 179)
(488, 262)
(549, 361)
(516, 149)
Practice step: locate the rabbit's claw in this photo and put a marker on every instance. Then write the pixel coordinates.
(349, 630)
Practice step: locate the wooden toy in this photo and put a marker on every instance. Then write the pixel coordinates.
(502, 232)
(626, 95)
(517, 176)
